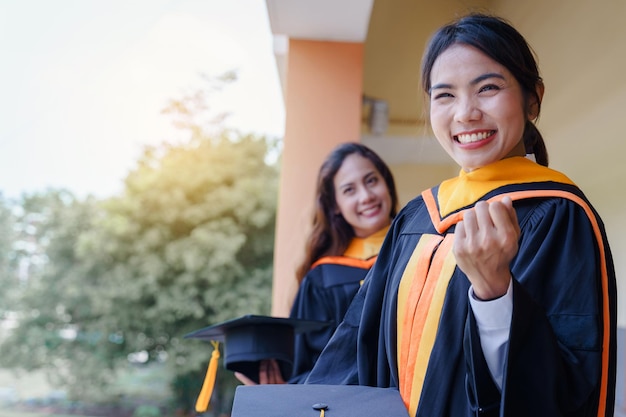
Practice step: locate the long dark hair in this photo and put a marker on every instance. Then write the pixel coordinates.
(331, 234)
(497, 39)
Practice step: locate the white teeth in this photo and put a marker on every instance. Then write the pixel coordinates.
(474, 137)
(369, 210)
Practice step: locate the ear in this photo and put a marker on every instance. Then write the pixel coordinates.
(534, 105)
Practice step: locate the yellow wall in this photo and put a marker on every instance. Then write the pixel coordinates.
(323, 107)
(580, 47)
(412, 179)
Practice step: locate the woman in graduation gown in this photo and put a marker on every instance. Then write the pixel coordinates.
(494, 293)
(355, 201)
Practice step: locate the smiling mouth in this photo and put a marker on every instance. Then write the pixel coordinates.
(370, 210)
(473, 137)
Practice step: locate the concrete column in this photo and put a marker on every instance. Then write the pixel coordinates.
(322, 108)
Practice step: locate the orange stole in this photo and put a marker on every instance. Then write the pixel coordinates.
(420, 300)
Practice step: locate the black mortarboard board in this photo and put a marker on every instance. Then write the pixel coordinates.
(309, 400)
(251, 338)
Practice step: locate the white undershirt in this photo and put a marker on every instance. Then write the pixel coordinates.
(494, 322)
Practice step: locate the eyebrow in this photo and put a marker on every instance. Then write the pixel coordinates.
(351, 183)
(475, 81)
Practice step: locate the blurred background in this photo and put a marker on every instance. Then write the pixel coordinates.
(157, 158)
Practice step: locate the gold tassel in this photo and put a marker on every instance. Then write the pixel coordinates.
(202, 404)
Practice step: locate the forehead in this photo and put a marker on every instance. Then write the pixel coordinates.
(353, 168)
(462, 62)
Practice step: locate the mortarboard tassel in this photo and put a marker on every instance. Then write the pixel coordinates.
(202, 404)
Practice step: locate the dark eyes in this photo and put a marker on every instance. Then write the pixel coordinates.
(347, 190)
(370, 181)
(442, 95)
(487, 88)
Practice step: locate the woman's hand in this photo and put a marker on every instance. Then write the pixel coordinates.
(485, 242)
(244, 379)
(269, 373)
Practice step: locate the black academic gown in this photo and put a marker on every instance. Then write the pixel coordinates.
(324, 295)
(561, 351)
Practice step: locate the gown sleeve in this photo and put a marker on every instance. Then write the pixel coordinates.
(338, 363)
(493, 319)
(324, 295)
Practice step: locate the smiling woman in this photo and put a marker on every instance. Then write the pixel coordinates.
(476, 108)
(355, 202)
(361, 195)
(494, 293)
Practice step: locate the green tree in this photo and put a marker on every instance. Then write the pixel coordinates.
(51, 301)
(187, 244)
(9, 258)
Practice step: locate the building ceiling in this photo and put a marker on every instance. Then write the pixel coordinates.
(394, 34)
(324, 20)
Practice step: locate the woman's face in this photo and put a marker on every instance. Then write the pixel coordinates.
(362, 195)
(476, 108)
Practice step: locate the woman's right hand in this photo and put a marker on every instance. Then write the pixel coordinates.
(486, 241)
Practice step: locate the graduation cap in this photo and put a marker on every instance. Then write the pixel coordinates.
(247, 341)
(312, 400)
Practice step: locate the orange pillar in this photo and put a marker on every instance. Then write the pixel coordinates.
(322, 108)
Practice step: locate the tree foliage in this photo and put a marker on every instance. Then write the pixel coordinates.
(187, 244)
(9, 256)
(53, 298)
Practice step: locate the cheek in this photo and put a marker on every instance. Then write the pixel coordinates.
(510, 109)
(516, 120)
(438, 119)
(383, 193)
(441, 130)
(343, 206)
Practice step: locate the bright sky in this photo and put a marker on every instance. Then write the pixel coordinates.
(83, 83)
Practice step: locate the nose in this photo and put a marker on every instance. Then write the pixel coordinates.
(365, 194)
(467, 110)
